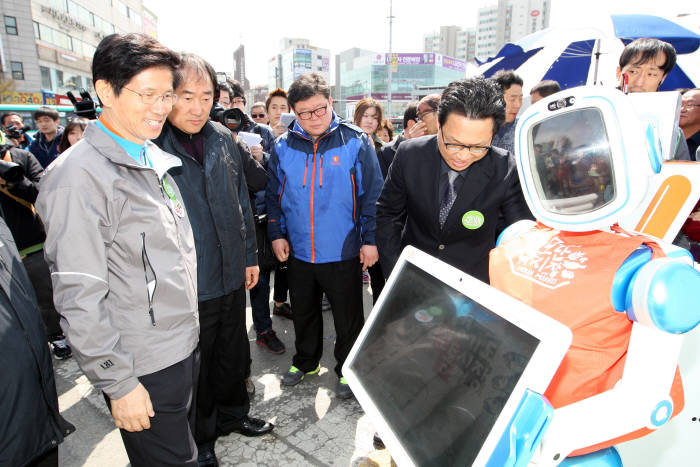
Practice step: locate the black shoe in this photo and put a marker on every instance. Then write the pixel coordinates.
(283, 310)
(377, 442)
(252, 427)
(207, 458)
(61, 350)
(270, 341)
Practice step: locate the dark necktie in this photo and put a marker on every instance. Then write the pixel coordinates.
(449, 197)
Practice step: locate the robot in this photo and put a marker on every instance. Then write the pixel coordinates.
(595, 169)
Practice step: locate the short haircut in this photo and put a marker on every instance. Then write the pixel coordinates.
(237, 89)
(276, 93)
(7, 115)
(74, 122)
(644, 50)
(507, 78)
(225, 87)
(433, 100)
(546, 88)
(389, 127)
(307, 86)
(476, 98)
(45, 112)
(258, 104)
(364, 104)
(191, 63)
(120, 57)
(410, 113)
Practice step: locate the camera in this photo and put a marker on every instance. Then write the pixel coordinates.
(85, 108)
(233, 119)
(13, 132)
(11, 172)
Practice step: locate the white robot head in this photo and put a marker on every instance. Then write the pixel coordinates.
(585, 155)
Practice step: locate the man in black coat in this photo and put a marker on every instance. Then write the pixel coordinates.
(451, 188)
(30, 425)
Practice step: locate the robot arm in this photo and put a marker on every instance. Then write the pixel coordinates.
(660, 299)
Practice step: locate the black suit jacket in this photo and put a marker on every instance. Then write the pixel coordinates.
(411, 192)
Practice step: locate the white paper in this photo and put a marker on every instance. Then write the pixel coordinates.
(251, 139)
(286, 119)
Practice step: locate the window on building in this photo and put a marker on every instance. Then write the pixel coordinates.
(17, 71)
(11, 25)
(45, 78)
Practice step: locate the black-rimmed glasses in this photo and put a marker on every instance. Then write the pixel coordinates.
(474, 149)
(319, 112)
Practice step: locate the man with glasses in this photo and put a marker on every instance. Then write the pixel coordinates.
(690, 120)
(426, 117)
(122, 255)
(258, 114)
(324, 183)
(444, 194)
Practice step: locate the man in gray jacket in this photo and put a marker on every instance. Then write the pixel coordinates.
(215, 194)
(122, 257)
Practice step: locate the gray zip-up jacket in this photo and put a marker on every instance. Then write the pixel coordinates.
(122, 259)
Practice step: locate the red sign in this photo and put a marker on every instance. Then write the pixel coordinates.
(535, 13)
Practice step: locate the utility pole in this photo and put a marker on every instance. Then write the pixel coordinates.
(391, 61)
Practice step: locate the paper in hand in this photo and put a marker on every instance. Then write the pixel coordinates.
(251, 139)
(286, 119)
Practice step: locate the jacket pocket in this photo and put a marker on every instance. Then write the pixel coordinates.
(150, 276)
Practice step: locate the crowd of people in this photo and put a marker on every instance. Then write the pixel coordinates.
(152, 221)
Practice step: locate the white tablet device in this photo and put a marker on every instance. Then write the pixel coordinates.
(444, 362)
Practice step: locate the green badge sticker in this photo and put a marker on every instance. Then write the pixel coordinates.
(472, 220)
(168, 189)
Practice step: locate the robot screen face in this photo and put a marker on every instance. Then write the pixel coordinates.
(571, 162)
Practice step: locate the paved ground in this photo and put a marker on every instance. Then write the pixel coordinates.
(313, 427)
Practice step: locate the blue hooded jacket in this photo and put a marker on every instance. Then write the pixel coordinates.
(322, 196)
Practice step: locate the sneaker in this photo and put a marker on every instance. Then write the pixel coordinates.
(61, 350)
(283, 310)
(365, 277)
(343, 391)
(271, 342)
(249, 387)
(295, 375)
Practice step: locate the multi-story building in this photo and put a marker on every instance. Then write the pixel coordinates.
(362, 73)
(508, 21)
(452, 41)
(296, 58)
(239, 67)
(47, 46)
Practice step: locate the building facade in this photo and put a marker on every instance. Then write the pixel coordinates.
(362, 73)
(239, 67)
(452, 41)
(296, 58)
(47, 46)
(508, 21)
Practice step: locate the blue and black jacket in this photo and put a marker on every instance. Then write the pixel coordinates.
(322, 195)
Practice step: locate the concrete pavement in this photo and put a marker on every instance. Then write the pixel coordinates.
(312, 426)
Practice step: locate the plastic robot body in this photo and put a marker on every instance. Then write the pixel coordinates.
(589, 159)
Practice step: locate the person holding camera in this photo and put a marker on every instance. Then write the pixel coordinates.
(215, 194)
(20, 173)
(14, 128)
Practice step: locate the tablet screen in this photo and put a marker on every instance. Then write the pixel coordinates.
(439, 367)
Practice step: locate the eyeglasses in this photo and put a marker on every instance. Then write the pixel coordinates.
(476, 150)
(422, 115)
(238, 100)
(148, 98)
(320, 112)
(689, 106)
(258, 115)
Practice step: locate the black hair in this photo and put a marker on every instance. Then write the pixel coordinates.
(77, 121)
(307, 86)
(507, 78)
(227, 88)
(410, 113)
(7, 115)
(546, 88)
(237, 90)
(45, 112)
(643, 50)
(476, 98)
(190, 62)
(120, 57)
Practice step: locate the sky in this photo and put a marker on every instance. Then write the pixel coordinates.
(215, 28)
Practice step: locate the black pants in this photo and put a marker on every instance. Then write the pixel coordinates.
(377, 280)
(342, 283)
(169, 441)
(222, 399)
(39, 274)
(48, 459)
(281, 286)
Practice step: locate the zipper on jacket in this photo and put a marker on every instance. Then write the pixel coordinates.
(151, 282)
(279, 199)
(354, 197)
(306, 169)
(320, 181)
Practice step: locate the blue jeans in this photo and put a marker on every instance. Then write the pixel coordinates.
(260, 303)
